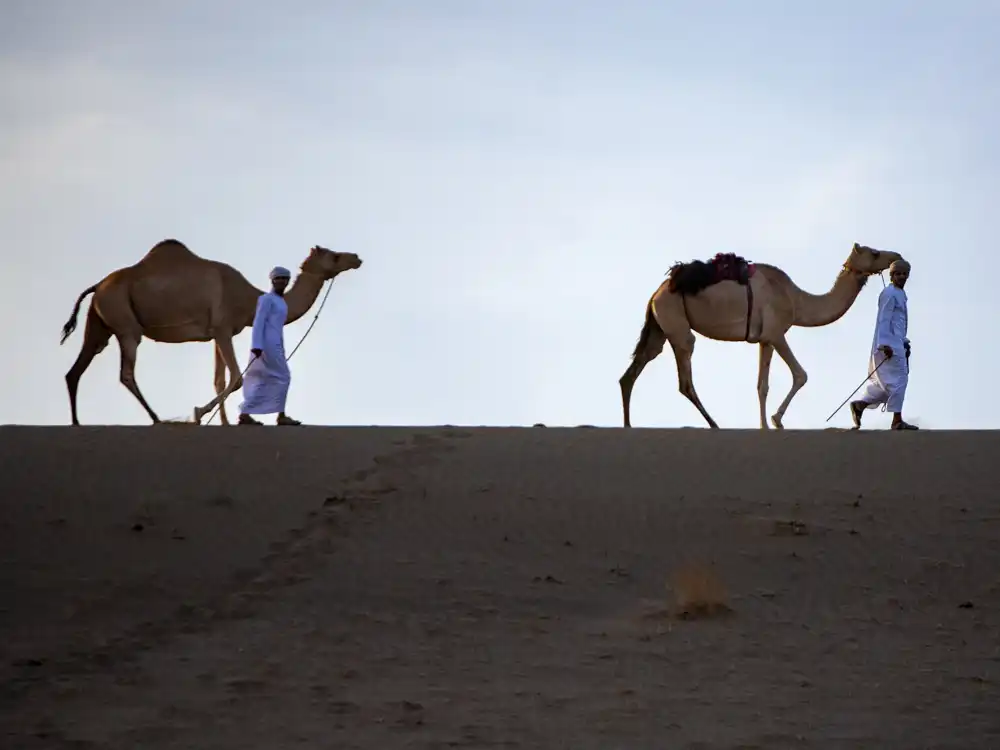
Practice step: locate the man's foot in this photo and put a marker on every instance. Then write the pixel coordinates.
(247, 419)
(857, 409)
(901, 425)
(286, 421)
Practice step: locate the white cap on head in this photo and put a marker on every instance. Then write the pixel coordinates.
(279, 272)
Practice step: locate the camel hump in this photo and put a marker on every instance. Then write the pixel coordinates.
(169, 250)
(691, 278)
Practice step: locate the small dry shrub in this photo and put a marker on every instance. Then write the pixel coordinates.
(698, 593)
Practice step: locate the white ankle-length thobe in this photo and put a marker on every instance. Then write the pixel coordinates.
(888, 383)
(265, 385)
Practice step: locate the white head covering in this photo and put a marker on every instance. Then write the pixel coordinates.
(279, 272)
(900, 263)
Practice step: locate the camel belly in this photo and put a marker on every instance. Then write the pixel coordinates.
(171, 310)
(720, 311)
(177, 334)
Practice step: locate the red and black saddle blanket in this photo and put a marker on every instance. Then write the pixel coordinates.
(691, 278)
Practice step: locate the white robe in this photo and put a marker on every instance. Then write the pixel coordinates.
(265, 385)
(888, 384)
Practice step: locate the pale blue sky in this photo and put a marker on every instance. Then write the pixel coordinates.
(518, 176)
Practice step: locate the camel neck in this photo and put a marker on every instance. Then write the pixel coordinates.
(813, 310)
(302, 294)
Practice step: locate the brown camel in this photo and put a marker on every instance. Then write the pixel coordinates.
(174, 296)
(714, 299)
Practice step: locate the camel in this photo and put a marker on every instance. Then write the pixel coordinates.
(729, 299)
(174, 296)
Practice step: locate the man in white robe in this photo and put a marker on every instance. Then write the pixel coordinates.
(265, 384)
(890, 353)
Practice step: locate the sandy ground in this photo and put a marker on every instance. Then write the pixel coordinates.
(182, 587)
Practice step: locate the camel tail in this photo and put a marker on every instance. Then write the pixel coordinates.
(647, 328)
(70, 326)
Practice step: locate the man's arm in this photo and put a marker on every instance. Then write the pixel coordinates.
(883, 322)
(259, 319)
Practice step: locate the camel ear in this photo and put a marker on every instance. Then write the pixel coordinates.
(856, 248)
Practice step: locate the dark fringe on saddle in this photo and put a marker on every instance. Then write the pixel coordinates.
(691, 278)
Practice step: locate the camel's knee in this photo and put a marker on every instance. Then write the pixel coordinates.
(800, 378)
(224, 385)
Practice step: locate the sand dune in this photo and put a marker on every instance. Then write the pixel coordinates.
(179, 587)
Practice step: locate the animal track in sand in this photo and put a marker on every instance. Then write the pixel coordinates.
(288, 562)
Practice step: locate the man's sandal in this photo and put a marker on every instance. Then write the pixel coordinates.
(246, 419)
(287, 422)
(904, 426)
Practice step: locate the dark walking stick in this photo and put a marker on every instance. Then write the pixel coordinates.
(859, 387)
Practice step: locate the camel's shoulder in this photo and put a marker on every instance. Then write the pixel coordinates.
(775, 278)
(773, 273)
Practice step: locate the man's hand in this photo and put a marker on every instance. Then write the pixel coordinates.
(257, 352)
(887, 351)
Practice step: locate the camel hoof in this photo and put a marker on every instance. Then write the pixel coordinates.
(776, 421)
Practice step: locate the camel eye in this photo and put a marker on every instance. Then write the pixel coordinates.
(875, 253)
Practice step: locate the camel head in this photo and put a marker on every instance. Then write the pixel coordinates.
(869, 261)
(327, 263)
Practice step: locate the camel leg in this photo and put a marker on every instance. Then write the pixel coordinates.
(799, 378)
(683, 350)
(224, 347)
(220, 383)
(95, 339)
(650, 351)
(763, 376)
(129, 345)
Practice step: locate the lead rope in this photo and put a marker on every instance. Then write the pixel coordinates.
(869, 374)
(322, 304)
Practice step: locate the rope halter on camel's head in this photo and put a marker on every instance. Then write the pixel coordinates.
(874, 254)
